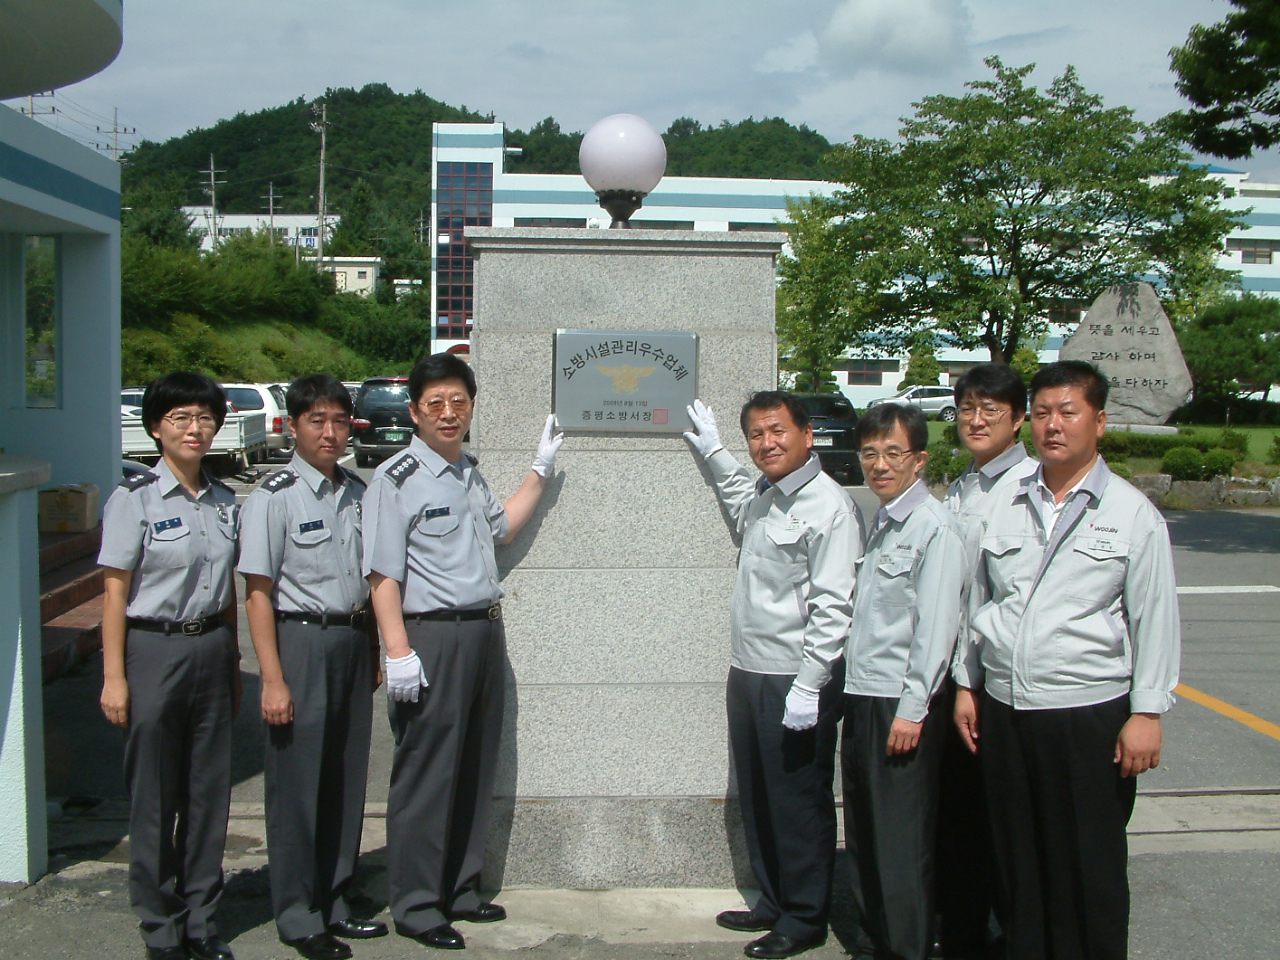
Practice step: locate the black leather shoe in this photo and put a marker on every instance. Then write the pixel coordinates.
(356, 929)
(776, 946)
(166, 953)
(320, 946)
(485, 913)
(744, 921)
(443, 937)
(209, 948)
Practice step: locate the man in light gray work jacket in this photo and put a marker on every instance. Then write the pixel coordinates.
(430, 526)
(906, 612)
(1069, 657)
(801, 534)
(991, 406)
(300, 546)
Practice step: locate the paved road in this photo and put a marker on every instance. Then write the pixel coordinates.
(1205, 840)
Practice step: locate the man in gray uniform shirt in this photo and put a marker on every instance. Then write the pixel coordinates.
(1068, 659)
(906, 611)
(801, 534)
(431, 523)
(991, 405)
(306, 603)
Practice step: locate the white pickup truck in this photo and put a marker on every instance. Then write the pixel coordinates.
(242, 439)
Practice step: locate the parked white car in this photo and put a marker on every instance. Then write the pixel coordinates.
(937, 402)
(267, 398)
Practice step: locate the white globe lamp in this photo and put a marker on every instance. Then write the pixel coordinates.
(622, 159)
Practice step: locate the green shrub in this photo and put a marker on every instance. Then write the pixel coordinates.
(1121, 470)
(1183, 463)
(945, 462)
(951, 434)
(1219, 462)
(1237, 441)
(1273, 455)
(1122, 444)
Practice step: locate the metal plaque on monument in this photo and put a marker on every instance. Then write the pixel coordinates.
(624, 381)
(1130, 338)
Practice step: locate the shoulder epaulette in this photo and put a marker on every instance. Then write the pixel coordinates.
(279, 480)
(402, 469)
(352, 475)
(475, 461)
(139, 480)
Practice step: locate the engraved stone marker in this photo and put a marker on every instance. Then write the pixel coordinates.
(1128, 335)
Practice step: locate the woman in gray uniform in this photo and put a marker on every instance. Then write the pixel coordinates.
(171, 673)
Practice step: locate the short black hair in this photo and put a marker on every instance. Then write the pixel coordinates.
(440, 366)
(994, 381)
(772, 400)
(305, 392)
(181, 388)
(883, 417)
(1073, 373)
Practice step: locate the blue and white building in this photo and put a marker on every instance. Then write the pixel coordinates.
(470, 187)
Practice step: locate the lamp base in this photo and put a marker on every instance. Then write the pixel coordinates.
(620, 205)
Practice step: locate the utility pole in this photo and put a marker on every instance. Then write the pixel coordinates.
(420, 224)
(271, 208)
(212, 191)
(323, 129)
(115, 132)
(31, 110)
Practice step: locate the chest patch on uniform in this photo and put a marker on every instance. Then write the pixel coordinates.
(436, 512)
(160, 526)
(311, 525)
(278, 481)
(403, 469)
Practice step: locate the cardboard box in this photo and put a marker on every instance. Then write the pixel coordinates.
(69, 509)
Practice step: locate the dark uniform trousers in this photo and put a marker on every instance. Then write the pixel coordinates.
(890, 817)
(442, 774)
(966, 869)
(786, 791)
(177, 765)
(315, 774)
(1059, 809)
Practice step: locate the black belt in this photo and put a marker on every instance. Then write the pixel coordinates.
(480, 613)
(186, 628)
(356, 619)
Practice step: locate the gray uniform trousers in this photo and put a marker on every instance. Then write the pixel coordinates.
(442, 775)
(315, 773)
(890, 816)
(177, 765)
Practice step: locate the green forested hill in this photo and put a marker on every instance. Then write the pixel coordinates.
(384, 137)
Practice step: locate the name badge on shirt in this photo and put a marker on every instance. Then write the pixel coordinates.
(160, 526)
(436, 512)
(311, 525)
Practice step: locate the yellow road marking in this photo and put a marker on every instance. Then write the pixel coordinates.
(1227, 710)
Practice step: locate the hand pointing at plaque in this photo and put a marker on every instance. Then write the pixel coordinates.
(705, 435)
(544, 464)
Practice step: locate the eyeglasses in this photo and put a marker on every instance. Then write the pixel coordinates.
(990, 412)
(182, 421)
(893, 456)
(434, 407)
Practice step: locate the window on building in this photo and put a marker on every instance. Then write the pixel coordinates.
(43, 336)
(1067, 312)
(662, 224)
(771, 227)
(463, 198)
(551, 222)
(362, 274)
(867, 373)
(308, 231)
(1254, 251)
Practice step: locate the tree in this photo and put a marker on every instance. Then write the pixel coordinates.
(996, 206)
(1230, 72)
(923, 367)
(354, 234)
(1233, 348)
(153, 212)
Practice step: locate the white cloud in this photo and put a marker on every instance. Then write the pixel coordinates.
(795, 56)
(898, 36)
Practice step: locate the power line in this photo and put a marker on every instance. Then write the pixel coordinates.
(212, 191)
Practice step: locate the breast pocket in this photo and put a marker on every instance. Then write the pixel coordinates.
(1002, 558)
(438, 526)
(1097, 569)
(169, 548)
(781, 555)
(894, 584)
(310, 555)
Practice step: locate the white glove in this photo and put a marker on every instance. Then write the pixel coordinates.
(405, 677)
(544, 464)
(704, 436)
(802, 708)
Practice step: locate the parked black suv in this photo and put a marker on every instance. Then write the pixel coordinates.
(382, 425)
(835, 434)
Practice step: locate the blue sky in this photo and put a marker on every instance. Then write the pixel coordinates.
(841, 66)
